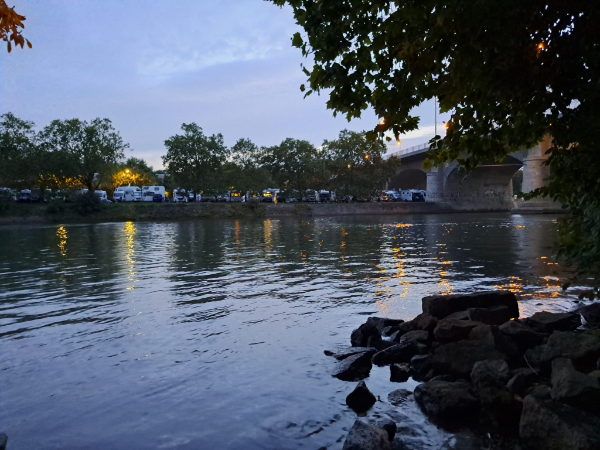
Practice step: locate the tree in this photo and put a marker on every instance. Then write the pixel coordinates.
(86, 152)
(293, 164)
(244, 172)
(357, 165)
(139, 165)
(510, 72)
(194, 159)
(10, 23)
(19, 158)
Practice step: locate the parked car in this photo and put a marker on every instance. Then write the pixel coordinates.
(390, 196)
(157, 198)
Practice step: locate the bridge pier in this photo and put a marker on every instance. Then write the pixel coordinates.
(535, 171)
(435, 185)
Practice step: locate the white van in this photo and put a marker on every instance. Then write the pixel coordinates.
(101, 195)
(127, 194)
(324, 196)
(148, 193)
(412, 195)
(180, 196)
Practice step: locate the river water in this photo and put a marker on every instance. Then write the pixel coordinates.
(210, 334)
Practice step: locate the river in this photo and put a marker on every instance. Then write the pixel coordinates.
(210, 334)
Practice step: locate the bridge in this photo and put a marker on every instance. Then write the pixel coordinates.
(489, 185)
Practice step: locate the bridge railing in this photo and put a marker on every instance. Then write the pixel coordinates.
(413, 149)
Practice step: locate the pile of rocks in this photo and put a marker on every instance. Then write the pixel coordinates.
(537, 378)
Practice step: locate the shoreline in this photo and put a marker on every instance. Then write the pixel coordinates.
(39, 213)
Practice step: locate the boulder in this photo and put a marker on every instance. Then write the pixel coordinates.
(353, 368)
(521, 334)
(417, 336)
(399, 396)
(458, 358)
(399, 353)
(420, 364)
(441, 306)
(388, 331)
(591, 313)
(421, 322)
(450, 330)
(447, 400)
(490, 334)
(446, 377)
(458, 315)
(488, 379)
(3, 441)
(389, 426)
(399, 373)
(581, 348)
(360, 336)
(547, 322)
(517, 384)
(345, 352)
(595, 374)
(574, 388)
(548, 425)
(540, 391)
(494, 315)
(533, 357)
(361, 398)
(363, 436)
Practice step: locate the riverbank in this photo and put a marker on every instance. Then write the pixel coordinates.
(44, 213)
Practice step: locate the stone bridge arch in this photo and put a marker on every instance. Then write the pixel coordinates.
(409, 178)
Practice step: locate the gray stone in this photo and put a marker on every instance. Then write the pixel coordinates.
(420, 364)
(591, 313)
(529, 376)
(421, 322)
(399, 373)
(446, 377)
(363, 436)
(458, 358)
(491, 335)
(353, 368)
(533, 357)
(446, 400)
(488, 379)
(595, 374)
(389, 426)
(360, 336)
(581, 348)
(547, 322)
(494, 315)
(381, 322)
(420, 336)
(3, 441)
(496, 368)
(540, 391)
(517, 384)
(345, 352)
(399, 396)
(548, 425)
(458, 315)
(574, 388)
(361, 398)
(441, 306)
(399, 353)
(524, 336)
(450, 330)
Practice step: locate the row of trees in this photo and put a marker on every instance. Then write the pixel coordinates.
(74, 154)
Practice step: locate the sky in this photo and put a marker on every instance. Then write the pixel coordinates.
(151, 65)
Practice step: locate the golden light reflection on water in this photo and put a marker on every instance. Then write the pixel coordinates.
(267, 232)
(62, 235)
(237, 232)
(129, 230)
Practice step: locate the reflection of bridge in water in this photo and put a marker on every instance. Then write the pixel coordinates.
(490, 184)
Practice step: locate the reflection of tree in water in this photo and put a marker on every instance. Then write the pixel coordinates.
(62, 235)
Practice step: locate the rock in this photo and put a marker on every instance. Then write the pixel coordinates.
(458, 315)
(399, 373)
(591, 313)
(3, 441)
(521, 334)
(598, 364)
(488, 379)
(418, 336)
(458, 358)
(389, 426)
(517, 384)
(420, 364)
(446, 400)
(581, 348)
(533, 357)
(540, 391)
(529, 375)
(345, 352)
(574, 388)
(450, 330)
(595, 374)
(381, 322)
(421, 322)
(491, 335)
(360, 399)
(363, 436)
(388, 331)
(371, 328)
(399, 353)
(494, 315)
(548, 425)
(353, 368)
(447, 377)
(399, 396)
(547, 322)
(441, 306)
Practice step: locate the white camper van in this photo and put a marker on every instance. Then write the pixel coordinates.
(412, 195)
(101, 195)
(127, 194)
(148, 193)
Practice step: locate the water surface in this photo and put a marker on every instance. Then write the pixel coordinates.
(210, 334)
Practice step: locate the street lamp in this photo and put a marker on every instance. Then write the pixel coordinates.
(127, 171)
